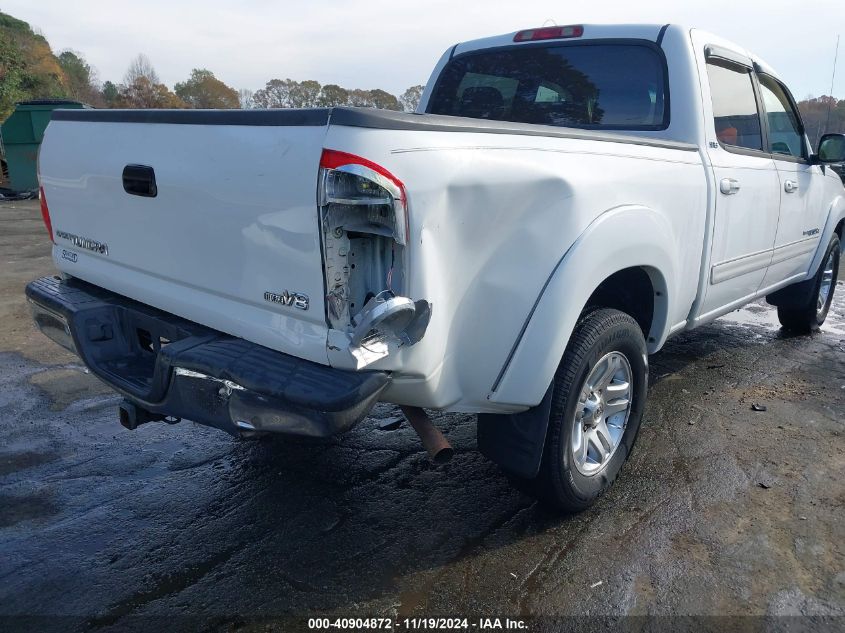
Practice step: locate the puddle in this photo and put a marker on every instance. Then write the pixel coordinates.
(17, 509)
(15, 461)
(761, 315)
(65, 386)
(758, 314)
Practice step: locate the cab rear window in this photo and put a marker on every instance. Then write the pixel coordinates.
(612, 86)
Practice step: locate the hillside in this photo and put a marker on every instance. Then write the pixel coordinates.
(28, 67)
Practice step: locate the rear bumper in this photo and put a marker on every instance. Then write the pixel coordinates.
(173, 367)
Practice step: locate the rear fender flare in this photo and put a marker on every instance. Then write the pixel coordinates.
(623, 237)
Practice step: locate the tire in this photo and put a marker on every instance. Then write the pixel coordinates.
(810, 316)
(603, 339)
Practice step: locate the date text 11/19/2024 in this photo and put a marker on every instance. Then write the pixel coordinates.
(418, 624)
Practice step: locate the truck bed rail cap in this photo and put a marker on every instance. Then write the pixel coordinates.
(391, 120)
(273, 117)
(358, 117)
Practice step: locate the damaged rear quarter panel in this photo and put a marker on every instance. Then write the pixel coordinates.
(490, 217)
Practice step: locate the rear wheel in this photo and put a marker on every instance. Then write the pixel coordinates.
(812, 313)
(597, 404)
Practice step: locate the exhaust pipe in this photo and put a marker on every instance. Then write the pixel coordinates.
(438, 447)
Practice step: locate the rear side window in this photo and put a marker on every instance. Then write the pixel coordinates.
(735, 111)
(786, 134)
(614, 86)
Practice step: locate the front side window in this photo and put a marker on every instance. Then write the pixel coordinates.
(786, 135)
(735, 111)
(614, 86)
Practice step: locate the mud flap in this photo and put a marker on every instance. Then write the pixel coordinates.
(793, 296)
(516, 441)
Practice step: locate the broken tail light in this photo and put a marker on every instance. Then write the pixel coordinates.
(365, 230)
(350, 180)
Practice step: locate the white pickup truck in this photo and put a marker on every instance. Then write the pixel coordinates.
(565, 199)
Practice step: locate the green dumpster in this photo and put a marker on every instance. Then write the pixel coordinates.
(22, 133)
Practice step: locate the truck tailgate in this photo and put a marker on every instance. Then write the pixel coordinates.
(234, 217)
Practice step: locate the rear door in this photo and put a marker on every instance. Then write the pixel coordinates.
(801, 185)
(747, 195)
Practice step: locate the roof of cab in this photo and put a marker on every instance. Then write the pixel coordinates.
(712, 38)
(649, 32)
(591, 31)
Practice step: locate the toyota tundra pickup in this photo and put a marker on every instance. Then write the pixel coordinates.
(564, 200)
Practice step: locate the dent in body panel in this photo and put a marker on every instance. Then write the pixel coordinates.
(644, 238)
(489, 223)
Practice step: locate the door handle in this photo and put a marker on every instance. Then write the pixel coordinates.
(790, 186)
(729, 186)
(140, 180)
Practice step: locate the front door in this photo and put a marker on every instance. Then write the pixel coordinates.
(801, 213)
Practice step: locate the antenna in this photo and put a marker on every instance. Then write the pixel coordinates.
(830, 103)
(555, 24)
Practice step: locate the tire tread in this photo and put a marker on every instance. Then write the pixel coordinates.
(549, 485)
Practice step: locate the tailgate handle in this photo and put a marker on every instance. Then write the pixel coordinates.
(140, 180)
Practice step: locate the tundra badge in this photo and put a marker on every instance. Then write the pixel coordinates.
(84, 242)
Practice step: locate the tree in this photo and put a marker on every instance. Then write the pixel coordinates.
(304, 94)
(373, 99)
(245, 98)
(822, 115)
(384, 100)
(28, 68)
(81, 78)
(276, 94)
(142, 89)
(142, 93)
(360, 98)
(287, 93)
(12, 71)
(204, 90)
(110, 94)
(332, 95)
(410, 99)
(139, 67)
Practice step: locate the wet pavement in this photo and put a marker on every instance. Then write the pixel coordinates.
(721, 510)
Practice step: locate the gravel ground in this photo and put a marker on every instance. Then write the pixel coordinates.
(728, 515)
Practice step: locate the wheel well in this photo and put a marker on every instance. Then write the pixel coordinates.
(840, 230)
(631, 291)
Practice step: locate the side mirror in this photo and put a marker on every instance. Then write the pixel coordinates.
(832, 148)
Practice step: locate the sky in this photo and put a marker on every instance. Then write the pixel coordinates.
(394, 44)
